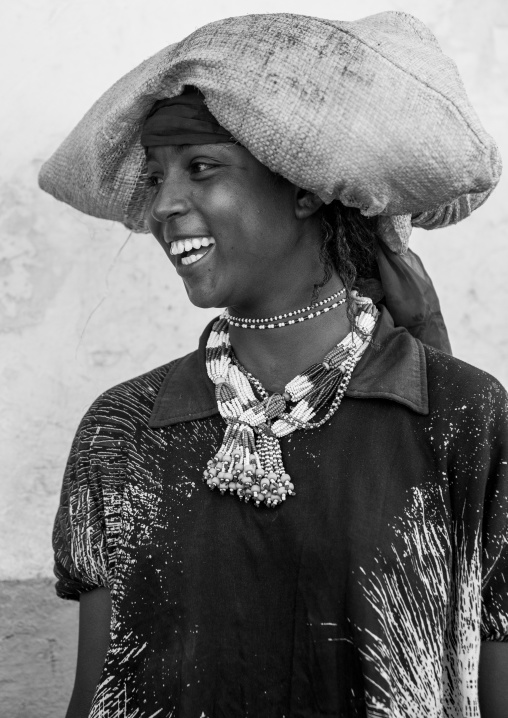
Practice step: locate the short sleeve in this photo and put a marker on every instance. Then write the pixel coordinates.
(79, 536)
(495, 525)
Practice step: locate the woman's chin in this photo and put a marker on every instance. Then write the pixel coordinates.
(205, 300)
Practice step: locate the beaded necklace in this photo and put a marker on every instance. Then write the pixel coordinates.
(249, 461)
(280, 320)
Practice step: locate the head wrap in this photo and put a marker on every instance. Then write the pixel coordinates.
(369, 112)
(182, 120)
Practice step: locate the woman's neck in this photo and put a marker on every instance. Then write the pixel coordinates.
(275, 356)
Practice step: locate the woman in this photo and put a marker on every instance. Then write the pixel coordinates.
(365, 559)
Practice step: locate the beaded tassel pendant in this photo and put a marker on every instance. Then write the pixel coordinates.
(249, 461)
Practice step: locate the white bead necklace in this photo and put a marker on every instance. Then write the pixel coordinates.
(249, 461)
(284, 320)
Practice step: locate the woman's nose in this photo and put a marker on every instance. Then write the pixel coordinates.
(171, 200)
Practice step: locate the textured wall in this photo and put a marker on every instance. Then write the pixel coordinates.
(83, 305)
(37, 650)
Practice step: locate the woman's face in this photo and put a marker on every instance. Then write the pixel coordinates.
(262, 241)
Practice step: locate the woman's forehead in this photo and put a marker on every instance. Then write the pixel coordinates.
(168, 153)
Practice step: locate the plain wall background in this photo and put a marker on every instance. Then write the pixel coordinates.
(84, 305)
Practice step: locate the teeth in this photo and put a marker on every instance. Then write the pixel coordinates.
(192, 258)
(180, 246)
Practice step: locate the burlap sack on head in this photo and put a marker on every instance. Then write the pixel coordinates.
(368, 112)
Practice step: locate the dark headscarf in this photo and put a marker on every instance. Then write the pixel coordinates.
(182, 120)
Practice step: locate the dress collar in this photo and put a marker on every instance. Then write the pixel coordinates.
(393, 367)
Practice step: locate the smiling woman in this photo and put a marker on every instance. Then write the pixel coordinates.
(222, 193)
(308, 515)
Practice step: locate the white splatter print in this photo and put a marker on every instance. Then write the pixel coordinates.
(424, 672)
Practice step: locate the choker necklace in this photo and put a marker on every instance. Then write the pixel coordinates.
(280, 320)
(249, 461)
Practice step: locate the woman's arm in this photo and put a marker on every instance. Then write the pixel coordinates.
(94, 619)
(493, 685)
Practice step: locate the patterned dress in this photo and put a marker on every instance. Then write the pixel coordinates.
(365, 595)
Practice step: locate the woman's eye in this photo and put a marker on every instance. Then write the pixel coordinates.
(197, 167)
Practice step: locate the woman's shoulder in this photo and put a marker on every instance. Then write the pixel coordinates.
(128, 405)
(456, 384)
(140, 391)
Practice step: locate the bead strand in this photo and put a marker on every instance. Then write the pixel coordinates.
(271, 324)
(294, 313)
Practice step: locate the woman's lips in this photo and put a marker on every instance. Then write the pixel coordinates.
(193, 257)
(189, 244)
(189, 250)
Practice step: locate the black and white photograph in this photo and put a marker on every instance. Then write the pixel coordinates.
(253, 359)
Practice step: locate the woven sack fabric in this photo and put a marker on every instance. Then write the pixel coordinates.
(369, 112)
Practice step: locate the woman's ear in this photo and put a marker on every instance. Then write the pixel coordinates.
(306, 203)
